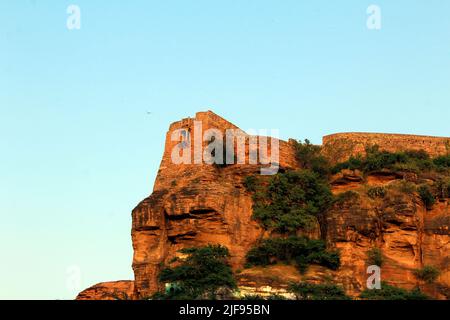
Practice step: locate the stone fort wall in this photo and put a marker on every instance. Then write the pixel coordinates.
(336, 147)
(340, 146)
(210, 120)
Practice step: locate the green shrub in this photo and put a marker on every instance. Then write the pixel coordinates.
(201, 274)
(406, 167)
(427, 196)
(354, 163)
(299, 250)
(309, 291)
(388, 292)
(251, 183)
(291, 201)
(376, 192)
(375, 160)
(417, 154)
(442, 162)
(329, 259)
(442, 187)
(374, 257)
(346, 196)
(429, 274)
(309, 157)
(406, 187)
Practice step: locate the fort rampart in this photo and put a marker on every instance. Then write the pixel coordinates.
(340, 146)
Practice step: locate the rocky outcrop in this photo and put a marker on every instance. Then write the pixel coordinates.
(197, 204)
(408, 235)
(194, 204)
(117, 290)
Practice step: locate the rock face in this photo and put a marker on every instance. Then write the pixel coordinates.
(194, 204)
(409, 236)
(117, 290)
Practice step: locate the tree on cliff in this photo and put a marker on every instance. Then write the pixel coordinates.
(202, 274)
(291, 201)
(388, 292)
(309, 157)
(299, 250)
(310, 291)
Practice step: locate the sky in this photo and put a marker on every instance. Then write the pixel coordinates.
(84, 112)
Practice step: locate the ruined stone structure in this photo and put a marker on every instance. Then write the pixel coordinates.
(197, 204)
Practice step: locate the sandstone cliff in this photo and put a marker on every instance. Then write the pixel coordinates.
(193, 205)
(196, 204)
(117, 290)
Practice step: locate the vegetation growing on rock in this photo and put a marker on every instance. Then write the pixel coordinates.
(293, 200)
(309, 291)
(202, 274)
(289, 201)
(427, 196)
(299, 250)
(346, 197)
(412, 161)
(429, 274)
(376, 192)
(375, 257)
(442, 187)
(310, 157)
(388, 292)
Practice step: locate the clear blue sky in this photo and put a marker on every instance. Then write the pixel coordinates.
(79, 151)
